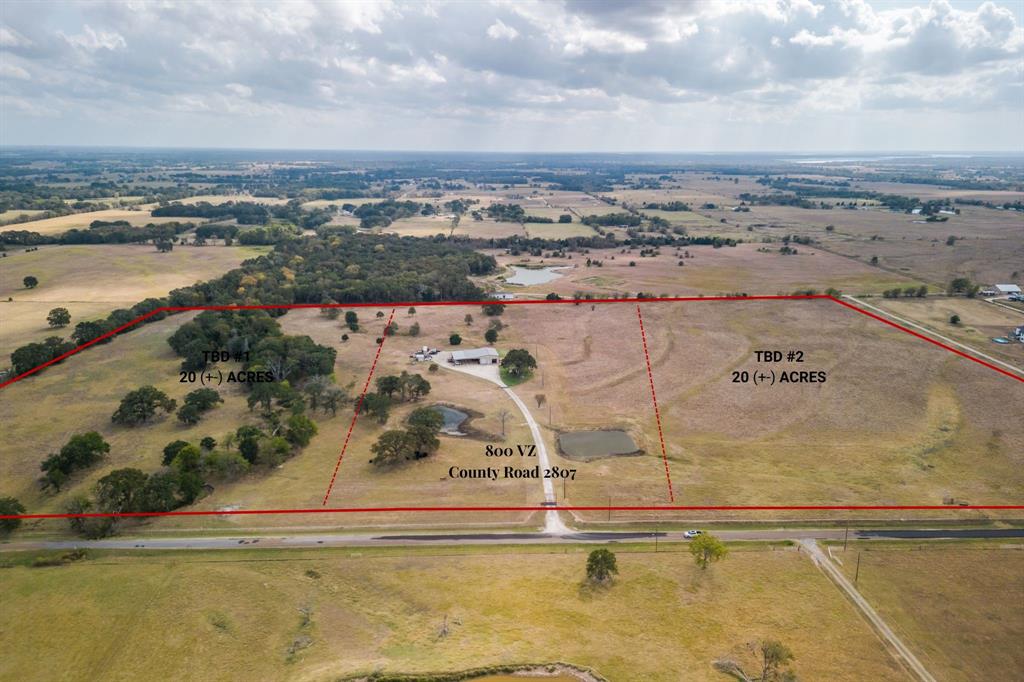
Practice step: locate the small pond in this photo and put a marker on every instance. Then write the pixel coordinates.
(526, 678)
(528, 276)
(453, 419)
(588, 445)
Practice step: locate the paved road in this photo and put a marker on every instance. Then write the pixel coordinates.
(313, 540)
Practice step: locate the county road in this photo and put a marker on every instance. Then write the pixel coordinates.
(313, 540)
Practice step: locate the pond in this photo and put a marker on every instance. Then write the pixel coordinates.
(453, 419)
(528, 276)
(588, 445)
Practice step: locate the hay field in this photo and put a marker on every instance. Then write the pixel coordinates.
(897, 421)
(958, 607)
(712, 271)
(231, 614)
(7, 217)
(91, 280)
(82, 220)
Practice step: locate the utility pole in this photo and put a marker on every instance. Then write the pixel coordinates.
(856, 575)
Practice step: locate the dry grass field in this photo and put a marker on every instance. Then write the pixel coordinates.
(711, 271)
(92, 280)
(137, 218)
(897, 421)
(217, 199)
(980, 322)
(957, 607)
(8, 217)
(235, 614)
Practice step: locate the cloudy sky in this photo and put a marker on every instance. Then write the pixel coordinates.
(571, 75)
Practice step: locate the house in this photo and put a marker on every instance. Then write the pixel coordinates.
(481, 356)
(501, 296)
(1007, 289)
(1018, 334)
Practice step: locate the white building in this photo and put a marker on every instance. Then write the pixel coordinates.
(1007, 288)
(481, 356)
(501, 296)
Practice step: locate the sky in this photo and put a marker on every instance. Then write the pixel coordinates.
(569, 75)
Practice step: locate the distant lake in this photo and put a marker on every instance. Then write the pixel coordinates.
(528, 276)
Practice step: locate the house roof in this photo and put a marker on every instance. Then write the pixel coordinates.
(474, 354)
(1008, 288)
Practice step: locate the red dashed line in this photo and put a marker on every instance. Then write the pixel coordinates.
(657, 412)
(359, 406)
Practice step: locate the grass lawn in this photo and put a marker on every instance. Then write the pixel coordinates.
(959, 608)
(235, 614)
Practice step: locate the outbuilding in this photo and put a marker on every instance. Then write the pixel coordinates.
(481, 356)
(1007, 289)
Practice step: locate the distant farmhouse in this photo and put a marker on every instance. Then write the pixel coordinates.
(481, 356)
(1004, 289)
(501, 296)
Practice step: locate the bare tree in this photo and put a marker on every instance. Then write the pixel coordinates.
(503, 415)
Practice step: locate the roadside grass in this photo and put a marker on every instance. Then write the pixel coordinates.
(218, 615)
(957, 606)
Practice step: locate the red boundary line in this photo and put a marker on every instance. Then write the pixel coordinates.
(657, 412)
(359, 406)
(424, 304)
(427, 304)
(667, 507)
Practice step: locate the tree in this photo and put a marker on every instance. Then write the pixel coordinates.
(333, 398)
(8, 506)
(707, 548)
(81, 451)
(950, 240)
(203, 399)
(120, 491)
(58, 317)
(518, 362)
(493, 309)
(601, 565)
(412, 311)
(773, 658)
(455, 339)
(490, 336)
(164, 245)
(954, 319)
(423, 440)
(414, 330)
(188, 459)
(388, 385)
(468, 319)
(171, 450)
(380, 314)
(565, 218)
(426, 416)
(208, 443)
(189, 415)
(301, 430)
(377, 406)
(415, 386)
(392, 447)
(30, 282)
(140, 406)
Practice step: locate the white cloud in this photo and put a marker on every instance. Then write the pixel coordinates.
(443, 66)
(500, 31)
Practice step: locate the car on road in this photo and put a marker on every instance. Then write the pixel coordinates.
(691, 534)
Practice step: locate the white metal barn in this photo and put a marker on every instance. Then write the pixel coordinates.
(481, 356)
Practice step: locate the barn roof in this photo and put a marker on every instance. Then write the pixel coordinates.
(474, 354)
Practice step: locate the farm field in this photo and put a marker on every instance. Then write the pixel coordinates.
(217, 199)
(956, 607)
(897, 421)
(710, 271)
(8, 217)
(219, 615)
(980, 322)
(64, 223)
(91, 280)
